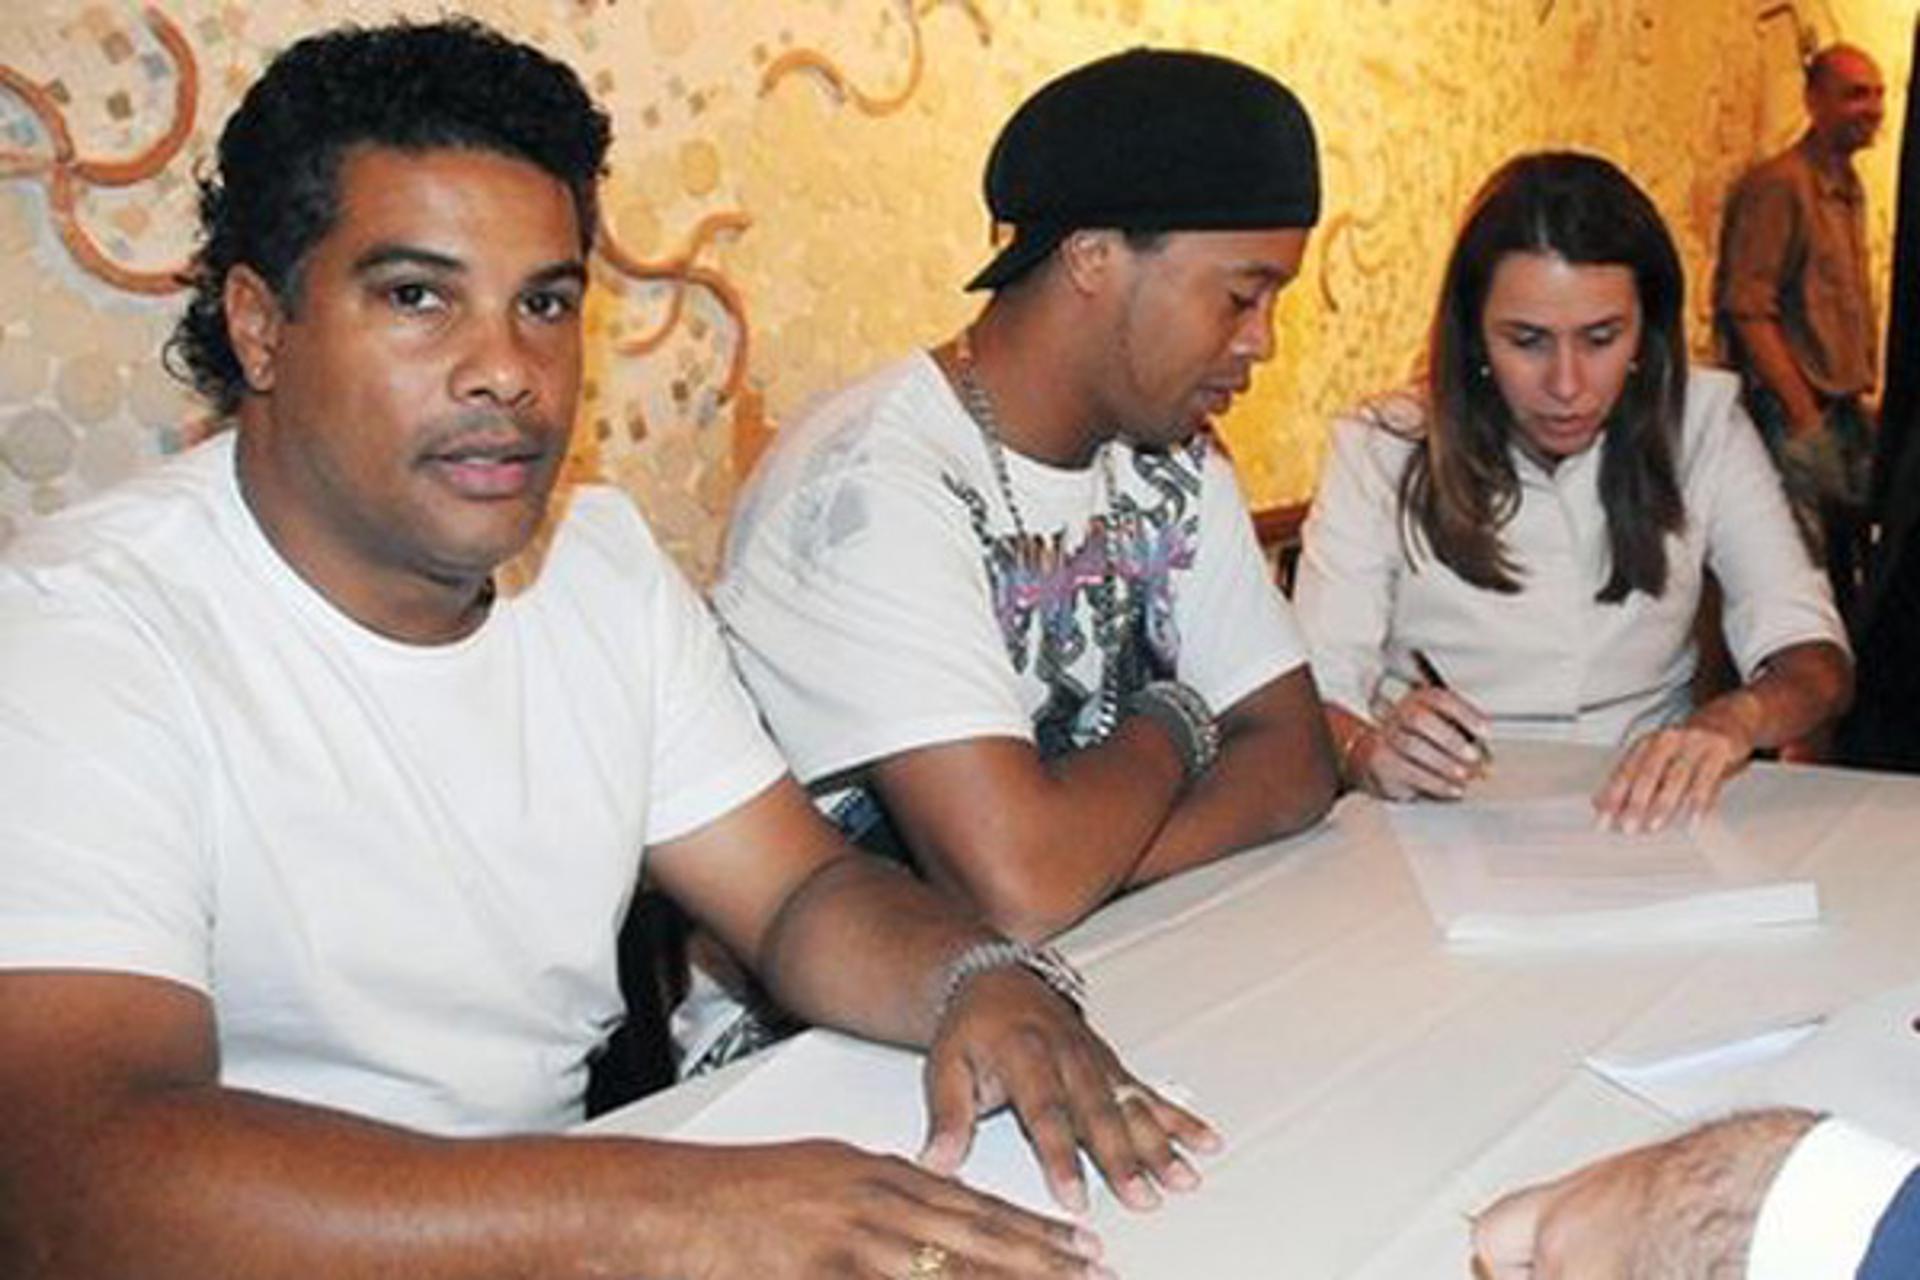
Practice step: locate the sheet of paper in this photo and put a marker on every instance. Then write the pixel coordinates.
(1864, 1064)
(869, 1095)
(1539, 870)
(1861, 1062)
(1690, 1082)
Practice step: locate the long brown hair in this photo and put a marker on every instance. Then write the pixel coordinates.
(1460, 488)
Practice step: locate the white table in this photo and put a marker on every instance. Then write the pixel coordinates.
(1374, 1085)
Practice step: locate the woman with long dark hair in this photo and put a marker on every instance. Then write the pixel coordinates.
(1519, 547)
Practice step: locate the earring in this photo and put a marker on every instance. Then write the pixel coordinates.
(1485, 370)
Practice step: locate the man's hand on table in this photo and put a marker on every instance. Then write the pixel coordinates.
(825, 1209)
(1682, 1208)
(1009, 1040)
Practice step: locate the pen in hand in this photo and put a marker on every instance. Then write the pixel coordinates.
(1430, 674)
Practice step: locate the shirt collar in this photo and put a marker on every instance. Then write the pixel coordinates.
(1843, 185)
(1570, 470)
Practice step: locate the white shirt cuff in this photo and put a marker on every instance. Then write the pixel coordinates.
(1819, 1215)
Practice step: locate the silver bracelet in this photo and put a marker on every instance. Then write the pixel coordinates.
(1188, 720)
(1044, 963)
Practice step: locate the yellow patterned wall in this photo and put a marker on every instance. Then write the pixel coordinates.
(794, 193)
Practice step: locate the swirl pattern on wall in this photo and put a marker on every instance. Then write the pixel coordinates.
(794, 195)
(65, 171)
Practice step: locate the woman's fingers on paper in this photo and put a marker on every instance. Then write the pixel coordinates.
(1416, 765)
(1624, 802)
(1667, 775)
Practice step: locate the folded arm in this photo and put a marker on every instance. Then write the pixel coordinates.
(1037, 844)
(1275, 776)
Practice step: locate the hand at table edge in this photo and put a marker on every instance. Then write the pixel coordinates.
(1010, 1041)
(1683, 1207)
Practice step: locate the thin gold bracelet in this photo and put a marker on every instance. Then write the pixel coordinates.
(1344, 760)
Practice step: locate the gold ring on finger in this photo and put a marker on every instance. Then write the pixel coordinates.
(929, 1262)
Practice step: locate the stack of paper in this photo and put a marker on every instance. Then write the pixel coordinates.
(1538, 871)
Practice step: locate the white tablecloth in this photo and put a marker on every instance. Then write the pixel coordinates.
(1375, 1086)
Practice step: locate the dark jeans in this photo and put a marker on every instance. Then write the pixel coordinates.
(1827, 474)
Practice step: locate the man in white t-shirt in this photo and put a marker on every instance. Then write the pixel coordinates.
(331, 751)
(1001, 603)
(1766, 1195)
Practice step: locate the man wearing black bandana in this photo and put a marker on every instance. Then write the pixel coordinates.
(1001, 602)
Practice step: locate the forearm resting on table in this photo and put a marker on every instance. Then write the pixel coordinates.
(865, 947)
(190, 1181)
(1275, 776)
(1796, 690)
(1037, 844)
(839, 938)
(1682, 1208)
(1032, 844)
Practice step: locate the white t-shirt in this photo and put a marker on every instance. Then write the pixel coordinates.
(876, 599)
(1550, 660)
(397, 870)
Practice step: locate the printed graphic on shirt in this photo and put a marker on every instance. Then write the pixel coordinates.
(1089, 612)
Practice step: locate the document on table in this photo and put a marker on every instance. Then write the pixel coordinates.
(1864, 1063)
(1861, 1062)
(1707, 1078)
(826, 1085)
(1536, 870)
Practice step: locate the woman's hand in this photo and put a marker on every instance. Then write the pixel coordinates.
(1677, 772)
(1429, 743)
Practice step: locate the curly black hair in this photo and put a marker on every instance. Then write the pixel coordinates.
(414, 87)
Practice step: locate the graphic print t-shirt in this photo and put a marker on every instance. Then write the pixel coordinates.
(879, 598)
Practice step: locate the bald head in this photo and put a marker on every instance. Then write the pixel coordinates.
(1846, 98)
(1839, 61)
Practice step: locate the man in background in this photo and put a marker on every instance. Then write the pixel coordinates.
(1793, 306)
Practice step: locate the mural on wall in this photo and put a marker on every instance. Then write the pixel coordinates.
(794, 193)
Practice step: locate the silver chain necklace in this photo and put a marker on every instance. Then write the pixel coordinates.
(1109, 611)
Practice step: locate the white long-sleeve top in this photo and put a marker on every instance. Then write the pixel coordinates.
(1550, 660)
